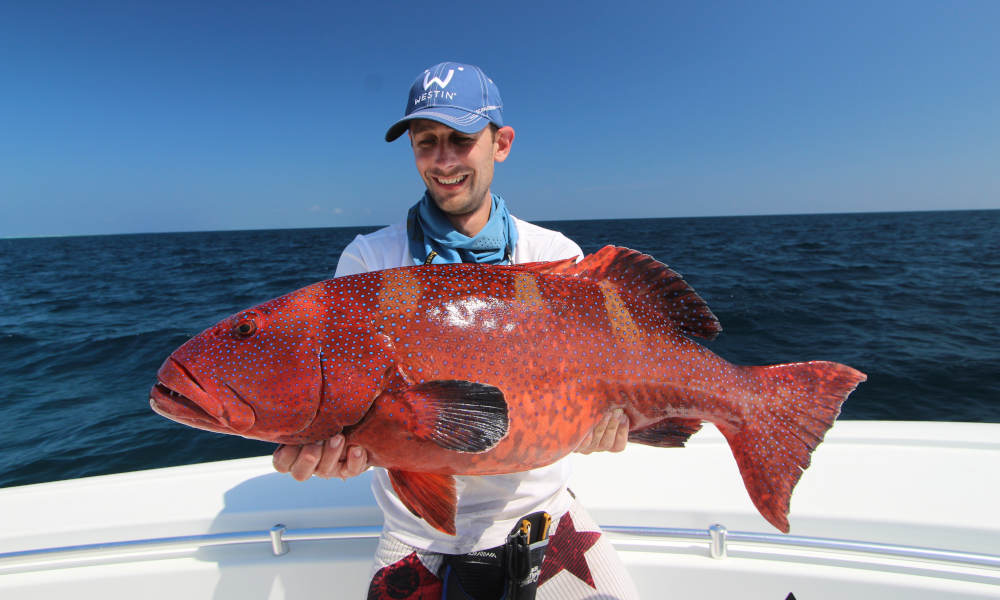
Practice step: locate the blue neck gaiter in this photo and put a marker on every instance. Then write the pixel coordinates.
(433, 239)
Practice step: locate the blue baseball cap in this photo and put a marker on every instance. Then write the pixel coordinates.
(459, 96)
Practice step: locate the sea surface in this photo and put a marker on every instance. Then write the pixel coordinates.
(912, 299)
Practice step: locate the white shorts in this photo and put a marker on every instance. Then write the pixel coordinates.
(579, 562)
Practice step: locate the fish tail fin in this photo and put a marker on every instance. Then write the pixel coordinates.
(773, 445)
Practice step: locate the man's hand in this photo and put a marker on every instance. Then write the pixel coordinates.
(323, 459)
(331, 458)
(610, 434)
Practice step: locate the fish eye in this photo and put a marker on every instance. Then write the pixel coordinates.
(245, 328)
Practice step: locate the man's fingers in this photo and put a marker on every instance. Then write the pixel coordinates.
(606, 439)
(594, 439)
(584, 446)
(305, 465)
(621, 434)
(609, 434)
(283, 457)
(356, 463)
(329, 463)
(332, 458)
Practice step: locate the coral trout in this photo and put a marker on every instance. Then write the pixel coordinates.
(467, 369)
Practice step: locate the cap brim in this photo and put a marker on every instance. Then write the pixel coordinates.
(458, 119)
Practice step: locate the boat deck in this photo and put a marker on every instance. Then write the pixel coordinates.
(887, 509)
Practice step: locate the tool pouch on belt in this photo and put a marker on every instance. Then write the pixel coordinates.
(507, 572)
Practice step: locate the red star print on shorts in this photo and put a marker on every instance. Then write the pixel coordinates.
(405, 579)
(565, 552)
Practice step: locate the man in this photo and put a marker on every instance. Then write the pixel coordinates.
(454, 120)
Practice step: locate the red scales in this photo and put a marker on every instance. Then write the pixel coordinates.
(469, 369)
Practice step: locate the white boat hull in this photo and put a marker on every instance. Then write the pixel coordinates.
(887, 510)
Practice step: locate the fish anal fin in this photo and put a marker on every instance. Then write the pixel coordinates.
(773, 445)
(668, 433)
(638, 275)
(430, 496)
(464, 416)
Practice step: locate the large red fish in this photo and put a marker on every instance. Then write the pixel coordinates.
(470, 369)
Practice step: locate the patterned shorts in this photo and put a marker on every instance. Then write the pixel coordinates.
(579, 562)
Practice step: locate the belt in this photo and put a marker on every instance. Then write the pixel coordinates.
(506, 572)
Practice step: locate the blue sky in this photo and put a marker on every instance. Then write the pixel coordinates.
(119, 117)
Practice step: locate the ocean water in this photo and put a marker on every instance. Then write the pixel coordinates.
(912, 299)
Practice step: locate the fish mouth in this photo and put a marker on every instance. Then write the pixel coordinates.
(180, 396)
(178, 407)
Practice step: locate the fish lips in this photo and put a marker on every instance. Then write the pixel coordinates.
(179, 397)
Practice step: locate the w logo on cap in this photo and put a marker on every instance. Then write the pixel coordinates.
(457, 95)
(428, 80)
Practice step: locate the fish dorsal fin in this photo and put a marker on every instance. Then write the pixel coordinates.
(550, 266)
(639, 275)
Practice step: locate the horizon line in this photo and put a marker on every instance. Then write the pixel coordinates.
(740, 216)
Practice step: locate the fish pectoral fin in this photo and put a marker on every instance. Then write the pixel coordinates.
(430, 496)
(668, 433)
(464, 416)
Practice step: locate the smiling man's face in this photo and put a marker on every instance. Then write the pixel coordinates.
(457, 167)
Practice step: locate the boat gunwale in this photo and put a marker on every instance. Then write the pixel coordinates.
(621, 536)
